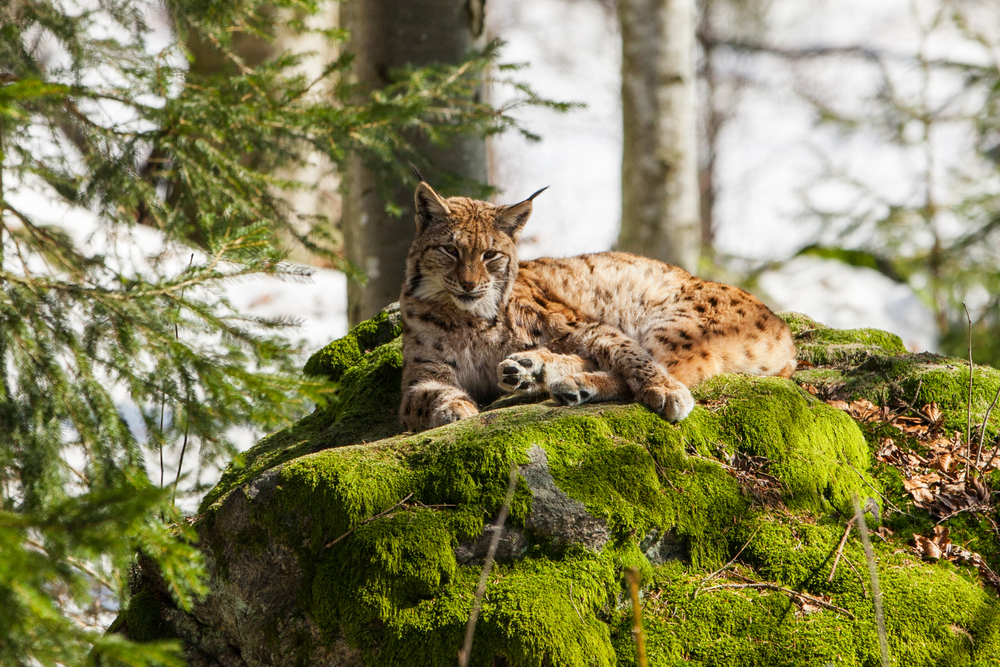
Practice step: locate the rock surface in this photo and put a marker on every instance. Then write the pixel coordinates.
(341, 541)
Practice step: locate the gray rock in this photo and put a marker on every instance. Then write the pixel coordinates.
(512, 546)
(662, 547)
(556, 516)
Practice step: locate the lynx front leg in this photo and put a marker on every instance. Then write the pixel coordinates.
(568, 378)
(584, 387)
(623, 357)
(431, 403)
(529, 372)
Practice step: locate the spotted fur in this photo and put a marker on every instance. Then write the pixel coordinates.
(607, 326)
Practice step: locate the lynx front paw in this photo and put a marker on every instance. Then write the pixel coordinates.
(673, 401)
(570, 390)
(451, 412)
(522, 372)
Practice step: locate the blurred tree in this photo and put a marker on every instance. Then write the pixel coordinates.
(107, 131)
(721, 82)
(937, 226)
(377, 222)
(660, 210)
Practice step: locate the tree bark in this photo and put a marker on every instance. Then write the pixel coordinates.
(660, 209)
(384, 35)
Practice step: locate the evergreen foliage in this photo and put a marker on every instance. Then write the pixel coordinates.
(100, 123)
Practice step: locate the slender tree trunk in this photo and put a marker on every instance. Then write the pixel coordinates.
(660, 210)
(384, 35)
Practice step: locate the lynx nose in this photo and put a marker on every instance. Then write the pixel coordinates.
(467, 285)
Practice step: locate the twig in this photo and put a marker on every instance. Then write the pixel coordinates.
(916, 395)
(996, 450)
(840, 550)
(369, 520)
(859, 516)
(731, 561)
(477, 605)
(864, 589)
(887, 501)
(715, 461)
(971, 508)
(982, 430)
(968, 416)
(640, 639)
(573, 602)
(787, 591)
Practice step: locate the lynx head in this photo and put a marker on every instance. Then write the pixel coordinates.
(464, 254)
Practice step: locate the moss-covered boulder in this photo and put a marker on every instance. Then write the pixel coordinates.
(341, 541)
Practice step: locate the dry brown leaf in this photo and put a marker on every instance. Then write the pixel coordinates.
(927, 548)
(942, 462)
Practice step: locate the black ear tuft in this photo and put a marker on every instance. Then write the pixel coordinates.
(420, 177)
(429, 205)
(511, 219)
(534, 195)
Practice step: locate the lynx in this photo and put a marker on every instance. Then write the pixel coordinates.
(601, 327)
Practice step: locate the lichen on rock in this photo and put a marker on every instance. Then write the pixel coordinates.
(341, 541)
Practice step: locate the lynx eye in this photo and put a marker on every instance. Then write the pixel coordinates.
(490, 255)
(449, 250)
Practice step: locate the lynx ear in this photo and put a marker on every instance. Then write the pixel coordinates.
(510, 220)
(429, 205)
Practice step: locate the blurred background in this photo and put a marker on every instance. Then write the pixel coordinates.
(846, 154)
(194, 197)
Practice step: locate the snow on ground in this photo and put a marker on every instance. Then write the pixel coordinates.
(849, 297)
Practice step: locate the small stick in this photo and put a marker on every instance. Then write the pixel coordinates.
(731, 561)
(466, 653)
(840, 550)
(787, 591)
(968, 417)
(982, 430)
(887, 501)
(996, 450)
(573, 602)
(883, 646)
(864, 589)
(640, 639)
(369, 520)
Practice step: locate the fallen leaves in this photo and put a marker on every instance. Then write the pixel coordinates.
(944, 480)
(940, 546)
(942, 473)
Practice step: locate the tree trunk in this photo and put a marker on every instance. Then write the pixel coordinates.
(660, 209)
(384, 35)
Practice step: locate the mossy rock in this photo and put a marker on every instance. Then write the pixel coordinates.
(341, 541)
(822, 346)
(874, 365)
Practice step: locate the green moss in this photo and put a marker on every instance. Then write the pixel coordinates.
(391, 585)
(364, 408)
(918, 380)
(822, 346)
(935, 615)
(334, 359)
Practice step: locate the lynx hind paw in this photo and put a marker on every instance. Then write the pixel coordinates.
(451, 412)
(674, 403)
(523, 373)
(570, 390)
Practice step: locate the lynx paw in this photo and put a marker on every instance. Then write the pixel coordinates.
(570, 391)
(522, 372)
(674, 402)
(452, 411)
